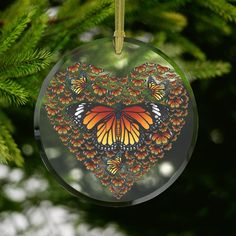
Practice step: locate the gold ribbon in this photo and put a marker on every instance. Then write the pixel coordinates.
(119, 33)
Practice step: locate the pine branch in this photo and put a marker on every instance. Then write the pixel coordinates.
(6, 121)
(171, 4)
(206, 69)
(25, 63)
(89, 15)
(32, 84)
(176, 21)
(34, 34)
(160, 38)
(189, 47)
(5, 156)
(12, 93)
(222, 8)
(86, 16)
(212, 19)
(12, 33)
(8, 148)
(68, 6)
(17, 7)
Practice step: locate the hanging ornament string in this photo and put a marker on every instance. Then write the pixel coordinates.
(119, 33)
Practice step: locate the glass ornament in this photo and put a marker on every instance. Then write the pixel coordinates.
(116, 129)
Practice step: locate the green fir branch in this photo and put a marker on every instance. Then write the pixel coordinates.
(222, 8)
(32, 84)
(5, 156)
(213, 20)
(173, 21)
(189, 47)
(68, 6)
(206, 69)
(169, 21)
(160, 38)
(12, 33)
(95, 14)
(12, 93)
(85, 17)
(25, 63)
(19, 7)
(6, 121)
(12, 12)
(33, 35)
(89, 14)
(9, 152)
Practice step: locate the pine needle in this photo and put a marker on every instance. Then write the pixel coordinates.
(12, 93)
(6, 121)
(8, 148)
(206, 69)
(222, 8)
(25, 63)
(33, 35)
(13, 32)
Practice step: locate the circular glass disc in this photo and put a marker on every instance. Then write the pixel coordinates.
(116, 129)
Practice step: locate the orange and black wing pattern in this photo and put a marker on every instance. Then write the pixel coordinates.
(102, 118)
(77, 81)
(116, 128)
(98, 120)
(77, 85)
(157, 89)
(134, 120)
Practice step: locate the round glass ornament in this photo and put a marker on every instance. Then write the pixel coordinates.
(116, 129)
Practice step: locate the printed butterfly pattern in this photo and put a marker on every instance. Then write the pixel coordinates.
(117, 127)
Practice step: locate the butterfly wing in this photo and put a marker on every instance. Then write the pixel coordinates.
(76, 82)
(157, 89)
(104, 119)
(160, 113)
(134, 120)
(109, 132)
(138, 120)
(98, 119)
(77, 85)
(113, 166)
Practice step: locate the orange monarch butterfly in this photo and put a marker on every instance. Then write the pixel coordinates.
(157, 89)
(123, 127)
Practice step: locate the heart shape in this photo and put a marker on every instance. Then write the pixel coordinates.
(138, 117)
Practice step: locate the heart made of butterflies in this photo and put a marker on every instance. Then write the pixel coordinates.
(118, 127)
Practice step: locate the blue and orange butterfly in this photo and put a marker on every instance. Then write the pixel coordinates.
(122, 127)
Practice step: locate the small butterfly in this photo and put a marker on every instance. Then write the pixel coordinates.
(157, 89)
(123, 127)
(113, 166)
(78, 84)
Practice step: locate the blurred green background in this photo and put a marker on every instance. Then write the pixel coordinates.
(199, 35)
